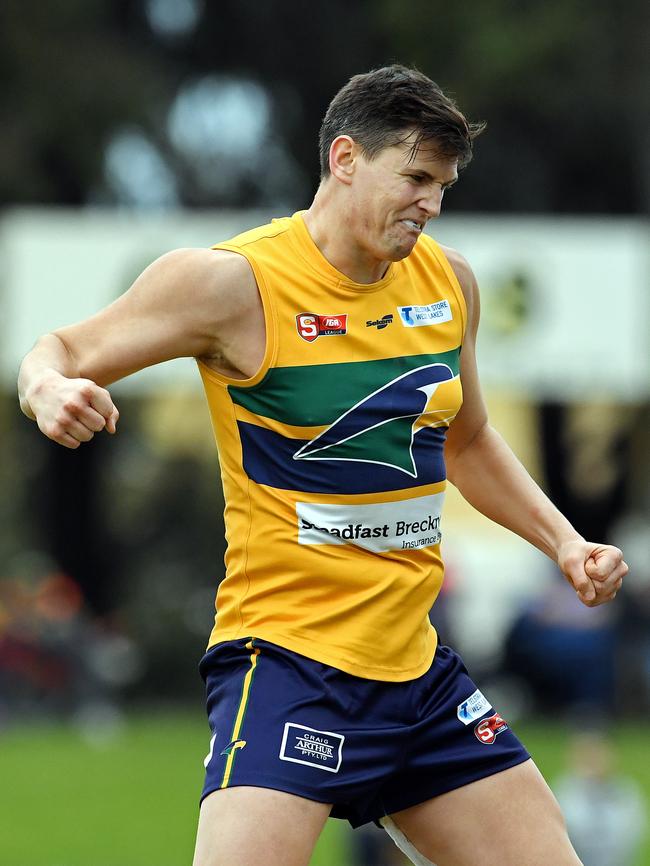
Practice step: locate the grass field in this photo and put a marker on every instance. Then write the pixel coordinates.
(131, 800)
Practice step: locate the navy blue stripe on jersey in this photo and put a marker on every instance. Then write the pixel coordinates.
(270, 458)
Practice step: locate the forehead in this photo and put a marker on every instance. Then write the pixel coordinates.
(424, 155)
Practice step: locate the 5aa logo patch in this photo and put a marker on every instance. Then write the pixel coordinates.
(488, 729)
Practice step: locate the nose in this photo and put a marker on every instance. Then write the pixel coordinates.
(431, 203)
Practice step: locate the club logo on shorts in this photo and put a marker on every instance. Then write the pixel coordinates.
(475, 706)
(311, 325)
(235, 744)
(303, 745)
(487, 730)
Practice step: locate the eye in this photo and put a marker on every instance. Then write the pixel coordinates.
(416, 178)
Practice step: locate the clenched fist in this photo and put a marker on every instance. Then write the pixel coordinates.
(71, 411)
(595, 571)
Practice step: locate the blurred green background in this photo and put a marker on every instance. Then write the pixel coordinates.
(130, 799)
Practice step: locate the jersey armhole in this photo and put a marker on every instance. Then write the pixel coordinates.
(270, 329)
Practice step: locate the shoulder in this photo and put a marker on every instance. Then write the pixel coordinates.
(201, 263)
(200, 276)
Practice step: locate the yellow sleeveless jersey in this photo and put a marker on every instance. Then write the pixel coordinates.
(332, 456)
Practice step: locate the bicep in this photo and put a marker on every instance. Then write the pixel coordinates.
(172, 310)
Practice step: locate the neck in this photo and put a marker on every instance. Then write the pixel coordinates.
(330, 225)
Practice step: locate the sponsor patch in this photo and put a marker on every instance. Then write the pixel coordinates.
(377, 526)
(303, 745)
(475, 706)
(311, 325)
(487, 730)
(380, 324)
(425, 314)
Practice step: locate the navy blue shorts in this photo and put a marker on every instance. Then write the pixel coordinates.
(283, 721)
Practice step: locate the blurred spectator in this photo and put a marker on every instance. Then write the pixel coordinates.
(56, 660)
(564, 652)
(605, 811)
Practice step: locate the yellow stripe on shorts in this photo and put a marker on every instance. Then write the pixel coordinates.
(241, 711)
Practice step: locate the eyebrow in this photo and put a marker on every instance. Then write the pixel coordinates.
(427, 176)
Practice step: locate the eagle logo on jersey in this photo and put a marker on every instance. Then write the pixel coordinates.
(381, 427)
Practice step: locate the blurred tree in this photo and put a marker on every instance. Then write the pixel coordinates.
(70, 72)
(563, 85)
(93, 94)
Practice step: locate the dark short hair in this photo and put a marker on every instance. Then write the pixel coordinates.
(379, 108)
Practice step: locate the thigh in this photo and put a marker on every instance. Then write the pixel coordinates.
(247, 826)
(508, 819)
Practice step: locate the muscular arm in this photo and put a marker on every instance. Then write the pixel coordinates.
(182, 305)
(489, 476)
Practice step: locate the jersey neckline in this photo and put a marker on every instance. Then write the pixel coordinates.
(310, 252)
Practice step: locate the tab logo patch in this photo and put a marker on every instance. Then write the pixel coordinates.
(426, 314)
(303, 745)
(311, 326)
(475, 706)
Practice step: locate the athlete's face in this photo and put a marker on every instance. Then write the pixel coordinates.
(395, 194)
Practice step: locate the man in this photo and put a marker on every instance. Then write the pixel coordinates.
(329, 346)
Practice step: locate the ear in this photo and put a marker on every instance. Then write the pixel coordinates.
(343, 155)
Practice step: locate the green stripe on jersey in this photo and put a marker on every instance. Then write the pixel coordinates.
(311, 396)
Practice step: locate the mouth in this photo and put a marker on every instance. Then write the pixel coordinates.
(413, 225)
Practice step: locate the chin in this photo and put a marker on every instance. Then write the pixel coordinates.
(400, 251)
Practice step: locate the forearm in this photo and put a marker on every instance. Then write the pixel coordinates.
(49, 358)
(492, 479)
